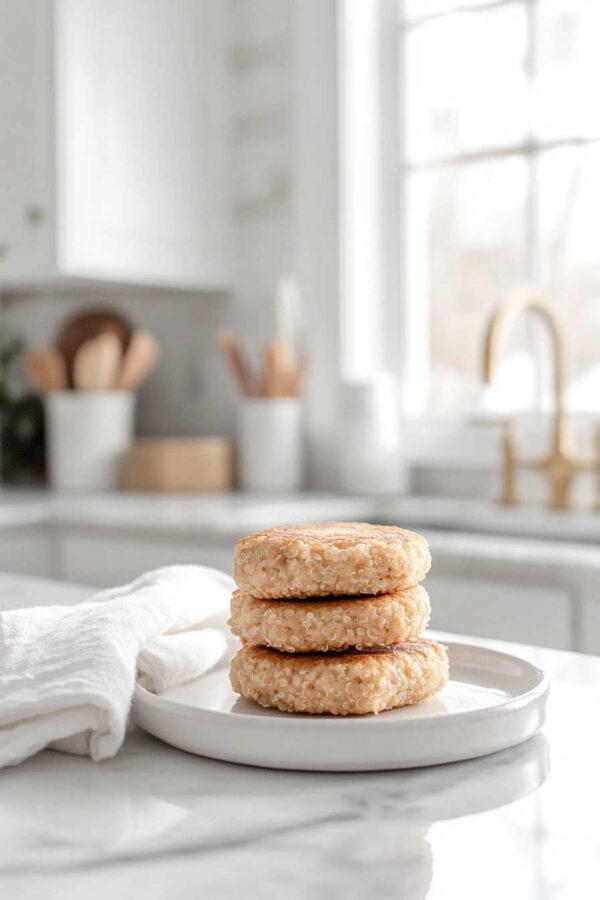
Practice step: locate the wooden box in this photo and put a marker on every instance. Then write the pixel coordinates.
(178, 464)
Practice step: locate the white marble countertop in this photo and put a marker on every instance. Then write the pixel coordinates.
(230, 514)
(155, 823)
(211, 515)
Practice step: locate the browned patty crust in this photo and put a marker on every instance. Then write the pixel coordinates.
(345, 683)
(330, 558)
(333, 623)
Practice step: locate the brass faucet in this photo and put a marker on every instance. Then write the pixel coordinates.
(559, 466)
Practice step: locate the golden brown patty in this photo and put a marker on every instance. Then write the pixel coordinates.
(347, 683)
(332, 623)
(330, 558)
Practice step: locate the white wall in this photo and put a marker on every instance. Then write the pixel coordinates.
(261, 68)
(315, 223)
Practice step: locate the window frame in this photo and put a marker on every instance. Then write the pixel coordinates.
(530, 149)
(318, 248)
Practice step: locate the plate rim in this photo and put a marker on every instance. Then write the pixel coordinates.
(295, 720)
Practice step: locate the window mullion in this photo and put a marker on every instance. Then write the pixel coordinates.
(407, 24)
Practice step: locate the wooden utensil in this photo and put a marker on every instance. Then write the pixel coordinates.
(277, 369)
(97, 363)
(230, 347)
(46, 369)
(139, 360)
(87, 325)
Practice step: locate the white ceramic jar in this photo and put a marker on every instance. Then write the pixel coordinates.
(87, 433)
(369, 445)
(270, 445)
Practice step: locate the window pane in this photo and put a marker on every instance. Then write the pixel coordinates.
(418, 9)
(465, 253)
(567, 84)
(466, 83)
(569, 230)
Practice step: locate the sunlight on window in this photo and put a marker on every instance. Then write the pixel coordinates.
(502, 168)
(569, 231)
(467, 255)
(567, 82)
(466, 85)
(419, 9)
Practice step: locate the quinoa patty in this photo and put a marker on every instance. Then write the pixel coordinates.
(330, 624)
(346, 683)
(330, 558)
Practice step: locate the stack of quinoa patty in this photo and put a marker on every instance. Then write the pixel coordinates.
(330, 617)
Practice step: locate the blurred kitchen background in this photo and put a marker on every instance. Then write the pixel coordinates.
(265, 261)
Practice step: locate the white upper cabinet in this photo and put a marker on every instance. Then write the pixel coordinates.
(26, 149)
(116, 164)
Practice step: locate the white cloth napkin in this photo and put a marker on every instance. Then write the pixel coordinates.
(67, 673)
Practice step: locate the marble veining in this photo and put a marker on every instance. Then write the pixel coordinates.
(157, 823)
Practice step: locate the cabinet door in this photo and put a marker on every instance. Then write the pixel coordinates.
(141, 111)
(28, 550)
(107, 558)
(26, 159)
(504, 610)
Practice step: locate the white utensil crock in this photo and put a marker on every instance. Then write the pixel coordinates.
(87, 434)
(270, 452)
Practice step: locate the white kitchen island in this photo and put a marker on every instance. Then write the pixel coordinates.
(158, 824)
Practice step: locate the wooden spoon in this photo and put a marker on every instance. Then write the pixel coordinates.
(97, 363)
(276, 369)
(139, 360)
(84, 326)
(46, 369)
(231, 349)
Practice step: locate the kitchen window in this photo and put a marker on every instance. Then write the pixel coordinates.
(470, 166)
(499, 132)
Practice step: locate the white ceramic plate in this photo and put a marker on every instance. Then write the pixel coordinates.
(492, 701)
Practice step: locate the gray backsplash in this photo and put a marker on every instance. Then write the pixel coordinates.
(190, 391)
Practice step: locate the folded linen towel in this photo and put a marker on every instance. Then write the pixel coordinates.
(67, 673)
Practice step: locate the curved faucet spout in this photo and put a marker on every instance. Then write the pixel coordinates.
(502, 321)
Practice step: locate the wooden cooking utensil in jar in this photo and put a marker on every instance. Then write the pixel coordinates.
(283, 365)
(97, 363)
(46, 369)
(232, 351)
(282, 375)
(139, 360)
(278, 371)
(86, 325)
